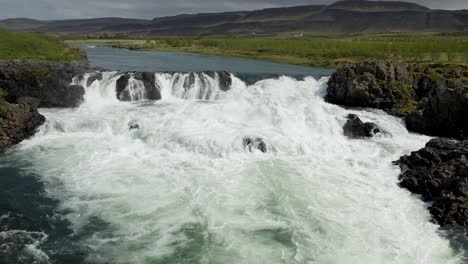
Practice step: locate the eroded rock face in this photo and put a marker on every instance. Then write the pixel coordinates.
(432, 98)
(369, 84)
(439, 173)
(151, 92)
(47, 81)
(355, 128)
(19, 121)
(442, 112)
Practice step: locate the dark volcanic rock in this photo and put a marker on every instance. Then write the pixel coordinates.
(439, 173)
(442, 112)
(368, 84)
(355, 128)
(121, 86)
(19, 121)
(95, 77)
(225, 79)
(47, 81)
(433, 98)
(151, 92)
(255, 143)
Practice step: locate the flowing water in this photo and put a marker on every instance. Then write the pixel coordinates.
(182, 188)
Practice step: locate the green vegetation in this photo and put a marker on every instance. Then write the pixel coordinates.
(35, 47)
(318, 51)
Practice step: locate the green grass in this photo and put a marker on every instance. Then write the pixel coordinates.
(35, 47)
(317, 51)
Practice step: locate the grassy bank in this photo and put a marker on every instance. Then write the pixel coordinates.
(35, 47)
(315, 51)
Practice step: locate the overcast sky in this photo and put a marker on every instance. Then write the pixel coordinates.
(66, 9)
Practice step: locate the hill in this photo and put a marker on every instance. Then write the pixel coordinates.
(341, 18)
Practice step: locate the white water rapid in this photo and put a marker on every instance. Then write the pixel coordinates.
(182, 188)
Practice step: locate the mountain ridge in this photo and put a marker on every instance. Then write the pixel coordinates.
(340, 18)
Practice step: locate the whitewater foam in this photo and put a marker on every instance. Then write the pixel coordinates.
(186, 190)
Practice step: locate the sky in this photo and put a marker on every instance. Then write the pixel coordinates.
(147, 9)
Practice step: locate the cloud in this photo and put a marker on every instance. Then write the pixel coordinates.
(63, 9)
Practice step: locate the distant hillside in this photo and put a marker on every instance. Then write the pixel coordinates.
(340, 18)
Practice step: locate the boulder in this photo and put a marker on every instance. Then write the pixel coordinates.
(439, 173)
(50, 82)
(355, 128)
(255, 143)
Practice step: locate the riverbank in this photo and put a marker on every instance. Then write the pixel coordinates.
(433, 100)
(35, 71)
(319, 51)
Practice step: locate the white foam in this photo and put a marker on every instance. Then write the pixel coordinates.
(186, 189)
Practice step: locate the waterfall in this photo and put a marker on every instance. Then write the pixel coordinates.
(192, 86)
(170, 181)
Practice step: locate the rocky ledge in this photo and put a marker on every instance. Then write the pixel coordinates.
(50, 82)
(439, 173)
(19, 121)
(432, 98)
(127, 92)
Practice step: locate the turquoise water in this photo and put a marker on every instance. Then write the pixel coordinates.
(129, 60)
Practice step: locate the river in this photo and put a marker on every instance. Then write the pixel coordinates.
(182, 188)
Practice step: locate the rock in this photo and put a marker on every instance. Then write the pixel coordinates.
(432, 98)
(121, 85)
(47, 81)
(439, 173)
(355, 128)
(225, 79)
(133, 125)
(151, 92)
(255, 143)
(442, 112)
(361, 85)
(95, 77)
(148, 78)
(31, 101)
(19, 121)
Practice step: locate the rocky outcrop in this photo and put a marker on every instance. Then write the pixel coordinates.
(134, 86)
(50, 82)
(355, 128)
(432, 98)
(255, 143)
(439, 173)
(19, 121)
